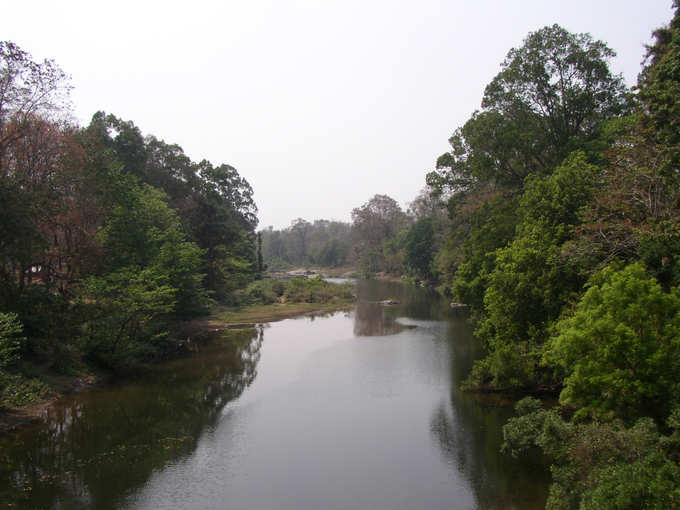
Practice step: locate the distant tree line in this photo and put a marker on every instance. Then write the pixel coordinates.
(108, 237)
(382, 238)
(321, 243)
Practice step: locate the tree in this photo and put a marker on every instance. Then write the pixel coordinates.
(478, 231)
(260, 260)
(52, 209)
(27, 89)
(601, 466)
(33, 150)
(274, 248)
(298, 247)
(620, 350)
(659, 88)
(378, 219)
(168, 168)
(553, 95)
(373, 224)
(224, 185)
(635, 213)
(144, 232)
(10, 341)
(419, 248)
(561, 80)
(426, 205)
(547, 101)
(531, 281)
(333, 253)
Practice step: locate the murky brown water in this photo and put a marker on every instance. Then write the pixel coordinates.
(356, 410)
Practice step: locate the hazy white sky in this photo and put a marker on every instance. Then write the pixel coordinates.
(318, 104)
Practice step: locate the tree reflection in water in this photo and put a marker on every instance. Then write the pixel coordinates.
(468, 428)
(395, 397)
(74, 459)
(372, 319)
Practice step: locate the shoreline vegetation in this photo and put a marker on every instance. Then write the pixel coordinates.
(554, 216)
(263, 301)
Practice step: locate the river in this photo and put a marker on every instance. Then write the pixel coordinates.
(351, 410)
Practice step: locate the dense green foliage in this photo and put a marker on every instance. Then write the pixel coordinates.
(601, 465)
(321, 243)
(107, 238)
(555, 215)
(620, 350)
(419, 247)
(10, 329)
(549, 182)
(563, 196)
(296, 290)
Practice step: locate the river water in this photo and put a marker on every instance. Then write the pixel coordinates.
(352, 410)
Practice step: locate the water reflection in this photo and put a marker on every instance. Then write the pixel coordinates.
(373, 318)
(75, 458)
(468, 429)
(332, 421)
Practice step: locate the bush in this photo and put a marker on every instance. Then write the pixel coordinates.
(10, 341)
(620, 350)
(601, 466)
(265, 292)
(20, 391)
(316, 290)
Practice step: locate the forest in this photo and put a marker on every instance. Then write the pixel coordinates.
(563, 200)
(555, 216)
(382, 238)
(108, 239)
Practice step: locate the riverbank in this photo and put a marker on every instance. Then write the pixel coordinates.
(241, 394)
(13, 417)
(256, 314)
(221, 317)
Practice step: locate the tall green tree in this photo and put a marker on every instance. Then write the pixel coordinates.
(419, 248)
(547, 101)
(532, 281)
(150, 274)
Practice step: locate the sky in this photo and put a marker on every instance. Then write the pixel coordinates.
(320, 105)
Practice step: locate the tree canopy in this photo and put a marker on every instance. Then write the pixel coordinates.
(108, 238)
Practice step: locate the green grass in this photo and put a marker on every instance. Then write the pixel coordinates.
(22, 391)
(254, 314)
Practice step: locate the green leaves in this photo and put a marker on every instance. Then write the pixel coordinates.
(10, 339)
(548, 100)
(620, 350)
(529, 280)
(599, 466)
(595, 190)
(419, 248)
(521, 172)
(562, 81)
(122, 312)
(151, 273)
